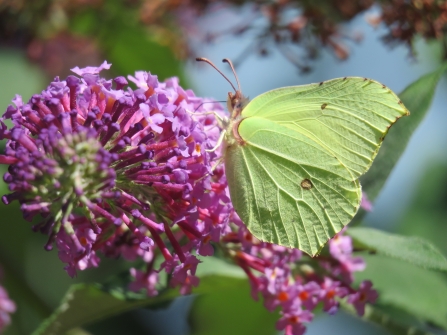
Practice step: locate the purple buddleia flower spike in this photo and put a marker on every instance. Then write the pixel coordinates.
(101, 166)
(128, 173)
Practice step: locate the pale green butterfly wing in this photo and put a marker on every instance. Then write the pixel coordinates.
(348, 116)
(270, 190)
(294, 181)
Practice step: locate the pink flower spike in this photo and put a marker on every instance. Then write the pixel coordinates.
(364, 295)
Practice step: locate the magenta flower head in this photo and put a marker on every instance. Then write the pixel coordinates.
(102, 168)
(108, 168)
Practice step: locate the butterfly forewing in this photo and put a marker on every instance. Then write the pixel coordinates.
(348, 117)
(287, 188)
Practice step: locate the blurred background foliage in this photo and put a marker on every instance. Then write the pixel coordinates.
(273, 44)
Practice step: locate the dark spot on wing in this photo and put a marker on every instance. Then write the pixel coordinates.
(345, 78)
(306, 184)
(321, 83)
(323, 106)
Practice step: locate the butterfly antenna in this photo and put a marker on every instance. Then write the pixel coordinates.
(226, 60)
(201, 59)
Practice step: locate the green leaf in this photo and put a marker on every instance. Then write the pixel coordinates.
(88, 303)
(231, 311)
(227, 308)
(84, 303)
(417, 291)
(417, 97)
(415, 250)
(428, 206)
(393, 325)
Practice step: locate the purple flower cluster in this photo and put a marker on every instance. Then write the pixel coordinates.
(296, 283)
(126, 173)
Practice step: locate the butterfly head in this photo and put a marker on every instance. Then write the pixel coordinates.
(236, 103)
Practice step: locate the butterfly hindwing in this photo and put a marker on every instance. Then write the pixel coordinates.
(287, 188)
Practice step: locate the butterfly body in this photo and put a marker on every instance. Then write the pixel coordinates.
(293, 157)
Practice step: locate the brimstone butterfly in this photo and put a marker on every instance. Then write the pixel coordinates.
(293, 156)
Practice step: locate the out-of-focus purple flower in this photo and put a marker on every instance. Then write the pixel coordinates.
(184, 274)
(340, 247)
(7, 307)
(308, 294)
(365, 294)
(144, 280)
(365, 203)
(292, 322)
(330, 290)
